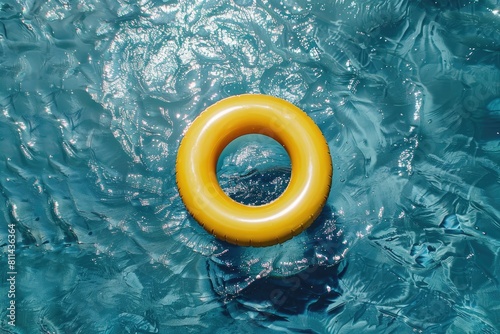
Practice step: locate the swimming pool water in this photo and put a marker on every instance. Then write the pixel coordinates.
(94, 99)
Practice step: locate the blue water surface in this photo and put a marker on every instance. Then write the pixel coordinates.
(95, 96)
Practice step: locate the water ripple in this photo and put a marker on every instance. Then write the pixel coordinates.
(95, 97)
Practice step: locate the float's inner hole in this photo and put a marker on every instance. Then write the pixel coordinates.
(254, 169)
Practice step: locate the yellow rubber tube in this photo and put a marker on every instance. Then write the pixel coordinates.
(272, 223)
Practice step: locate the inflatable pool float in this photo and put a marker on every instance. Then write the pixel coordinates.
(272, 223)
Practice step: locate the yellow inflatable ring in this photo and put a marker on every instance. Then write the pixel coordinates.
(264, 225)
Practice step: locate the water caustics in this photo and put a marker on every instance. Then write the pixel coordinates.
(95, 97)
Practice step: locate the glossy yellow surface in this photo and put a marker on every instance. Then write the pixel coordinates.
(240, 224)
